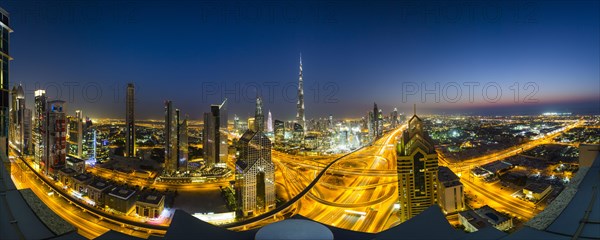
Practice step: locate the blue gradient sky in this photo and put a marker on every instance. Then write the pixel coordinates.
(355, 53)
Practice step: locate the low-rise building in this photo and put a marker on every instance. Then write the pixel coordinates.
(497, 219)
(121, 200)
(80, 182)
(65, 176)
(150, 205)
(76, 164)
(537, 191)
(450, 191)
(497, 168)
(472, 221)
(485, 216)
(97, 191)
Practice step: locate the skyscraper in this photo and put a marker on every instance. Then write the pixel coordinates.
(39, 125)
(298, 135)
(17, 119)
(5, 30)
(236, 124)
(130, 121)
(54, 138)
(270, 122)
(377, 122)
(183, 144)
(394, 118)
(417, 165)
(171, 135)
(279, 132)
(27, 142)
(255, 172)
(300, 118)
(76, 134)
(176, 140)
(214, 137)
(259, 116)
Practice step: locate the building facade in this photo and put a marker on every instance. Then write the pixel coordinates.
(417, 166)
(39, 126)
(255, 172)
(150, 205)
(214, 136)
(54, 138)
(170, 136)
(17, 119)
(176, 141)
(130, 121)
(5, 31)
(450, 191)
(76, 134)
(183, 145)
(279, 132)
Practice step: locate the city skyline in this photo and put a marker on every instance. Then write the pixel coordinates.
(338, 57)
(351, 120)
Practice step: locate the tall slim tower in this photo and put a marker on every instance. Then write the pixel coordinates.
(4, 91)
(417, 170)
(259, 116)
(270, 122)
(75, 141)
(182, 145)
(39, 125)
(171, 151)
(300, 118)
(214, 136)
(55, 138)
(17, 119)
(130, 121)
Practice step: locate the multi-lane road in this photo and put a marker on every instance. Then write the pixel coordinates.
(357, 192)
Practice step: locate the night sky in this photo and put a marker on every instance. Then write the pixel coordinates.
(354, 54)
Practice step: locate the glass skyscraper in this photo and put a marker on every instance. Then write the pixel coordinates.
(5, 30)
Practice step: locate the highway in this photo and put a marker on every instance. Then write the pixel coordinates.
(492, 195)
(357, 192)
(89, 220)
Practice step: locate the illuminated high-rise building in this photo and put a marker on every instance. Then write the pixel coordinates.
(300, 118)
(183, 145)
(5, 30)
(170, 137)
(75, 141)
(279, 132)
(298, 135)
(250, 123)
(39, 126)
(417, 165)
(27, 126)
(255, 172)
(130, 121)
(236, 124)
(176, 140)
(371, 124)
(394, 121)
(215, 137)
(377, 122)
(17, 119)
(259, 116)
(54, 138)
(270, 122)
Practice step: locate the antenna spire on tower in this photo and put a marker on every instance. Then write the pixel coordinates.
(415, 109)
